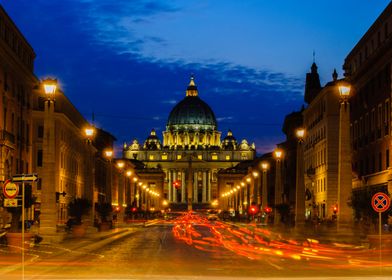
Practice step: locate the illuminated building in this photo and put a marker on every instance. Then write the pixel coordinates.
(321, 123)
(368, 68)
(17, 81)
(191, 153)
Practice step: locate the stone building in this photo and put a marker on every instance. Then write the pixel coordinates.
(191, 153)
(368, 68)
(17, 81)
(321, 144)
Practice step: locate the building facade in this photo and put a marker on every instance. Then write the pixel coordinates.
(191, 153)
(17, 81)
(321, 147)
(368, 68)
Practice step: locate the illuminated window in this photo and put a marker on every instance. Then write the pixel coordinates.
(151, 157)
(227, 157)
(164, 157)
(244, 156)
(178, 156)
(200, 156)
(214, 156)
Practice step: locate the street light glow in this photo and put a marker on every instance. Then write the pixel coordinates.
(264, 166)
(50, 86)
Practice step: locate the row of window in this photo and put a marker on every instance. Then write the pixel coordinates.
(316, 159)
(16, 44)
(370, 47)
(371, 126)
(372, 164)
(244, 156)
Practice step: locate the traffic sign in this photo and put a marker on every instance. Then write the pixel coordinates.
(10, 202)
(380, 202)
(25, 177)
(10, 190)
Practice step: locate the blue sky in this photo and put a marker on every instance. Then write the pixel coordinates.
(129, 62)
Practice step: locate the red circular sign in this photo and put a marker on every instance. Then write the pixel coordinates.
(380, 202)
(10, 190)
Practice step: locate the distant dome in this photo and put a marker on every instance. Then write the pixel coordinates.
(229, 142)
(192, 111)
(152, 142)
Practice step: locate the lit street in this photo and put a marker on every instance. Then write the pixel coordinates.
(193, 246)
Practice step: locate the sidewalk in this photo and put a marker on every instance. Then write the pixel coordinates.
(67, 250)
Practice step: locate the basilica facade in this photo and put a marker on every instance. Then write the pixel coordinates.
(191, 153)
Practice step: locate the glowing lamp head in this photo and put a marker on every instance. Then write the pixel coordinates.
(135, 180)
(344, 90)
(129, 173)
(50, 86)
(120, 164)
(264, 166)
(300, 133)
(89, 132)
(248, 179)
(278, 154)
(109, 153)
(255, 174)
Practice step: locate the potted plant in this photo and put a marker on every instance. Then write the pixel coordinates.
(104, 209)
(77, 208)
(14, 235)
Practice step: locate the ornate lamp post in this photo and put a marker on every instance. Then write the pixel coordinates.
(108, 153)
(278, 154)
(300, 181)
(89, 190)
(256, 191)
(48, 216)
(344, 212)
(264, 190)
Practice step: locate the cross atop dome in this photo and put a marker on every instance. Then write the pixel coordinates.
(192, 88)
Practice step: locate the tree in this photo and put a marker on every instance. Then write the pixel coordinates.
(77, 208)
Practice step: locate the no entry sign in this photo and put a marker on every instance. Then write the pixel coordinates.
(380, 202)
(10, 190)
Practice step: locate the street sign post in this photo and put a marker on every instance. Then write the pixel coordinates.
(10, 190)
(380, 203)
(25, 178)
(22, 178)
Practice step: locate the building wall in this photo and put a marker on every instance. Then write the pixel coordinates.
(368, 67)
(17, 81)
(72, 166)
(321, 121)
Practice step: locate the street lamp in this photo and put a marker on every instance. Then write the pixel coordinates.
(50, 87)
(345, 215)
(300, 181)
(89, 133)
(49, 207)
(264, 191)
(278, 154)
(108, 153)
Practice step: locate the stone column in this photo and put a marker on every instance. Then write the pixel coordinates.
(174, 189)
(48, 216)
(264, 192)
(345, 212)
(278, 189)
(204, 187)
(300, 188)
(169, 185)
(209, 177)
(195, 199)
(183, 187)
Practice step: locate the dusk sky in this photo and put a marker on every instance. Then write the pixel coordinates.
(129, 61)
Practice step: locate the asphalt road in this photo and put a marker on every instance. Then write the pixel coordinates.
(157, 252)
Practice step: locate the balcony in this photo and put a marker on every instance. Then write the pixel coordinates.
(7, 137)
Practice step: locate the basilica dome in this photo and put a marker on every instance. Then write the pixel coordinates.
(192, 112)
